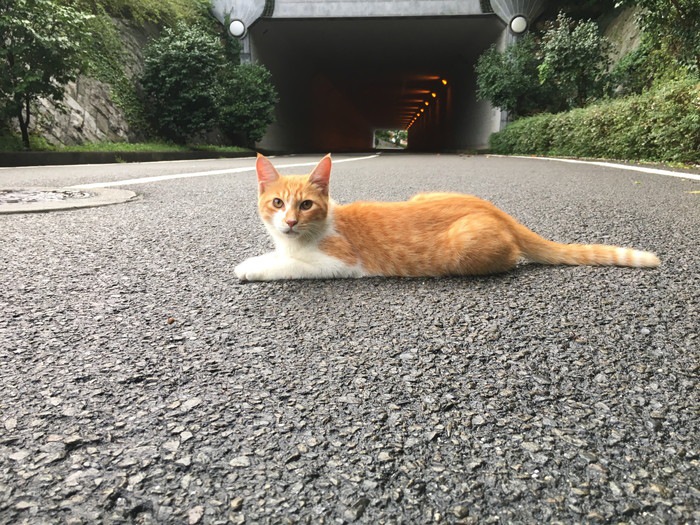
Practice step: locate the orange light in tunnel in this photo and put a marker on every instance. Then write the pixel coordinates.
(444, 82)
(434, 95)
(427, 103)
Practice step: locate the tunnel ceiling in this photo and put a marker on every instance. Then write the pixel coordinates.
(385, 67)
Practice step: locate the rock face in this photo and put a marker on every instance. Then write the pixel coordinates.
(624, 33)
(89, 115)
(89, 112)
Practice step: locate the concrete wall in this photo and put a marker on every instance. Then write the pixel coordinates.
(364, 8)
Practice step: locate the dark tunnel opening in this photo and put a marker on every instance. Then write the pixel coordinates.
(341, 79)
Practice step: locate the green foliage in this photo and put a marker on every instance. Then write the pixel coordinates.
(566, 69)
(574, 61)
(248, 102)
(12, 142)
(662, 124)
(191, 86)
(106, 61)
(509, 79)
(674, 28)
(162, 12)
(42, 48)
(180, 81)
(397, 137)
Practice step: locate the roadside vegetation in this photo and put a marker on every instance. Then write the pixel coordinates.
(566, 98)
(192, 89)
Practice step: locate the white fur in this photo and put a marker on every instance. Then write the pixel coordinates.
(296, 256)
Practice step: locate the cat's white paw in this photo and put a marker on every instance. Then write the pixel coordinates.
(250, 270)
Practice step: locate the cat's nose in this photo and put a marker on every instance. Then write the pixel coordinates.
(291, 222)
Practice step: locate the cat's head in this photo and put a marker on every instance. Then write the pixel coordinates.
(293, 206)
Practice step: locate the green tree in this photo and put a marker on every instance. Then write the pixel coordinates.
(247, 103)
(40, 42)
(179, 81)
(509, 79)
(575, 61)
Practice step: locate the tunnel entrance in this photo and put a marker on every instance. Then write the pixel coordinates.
(341, 79)
(391, 139)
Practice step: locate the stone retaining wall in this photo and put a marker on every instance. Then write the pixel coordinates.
(89, 113)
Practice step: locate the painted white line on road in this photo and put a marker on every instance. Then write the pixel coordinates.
(147, 180)
(642, 169)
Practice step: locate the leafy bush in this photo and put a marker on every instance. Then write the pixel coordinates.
(574, 61)
(509, 79)
(662, 124)
(179, 81)
(191, 85)
(247, 103)
(567, 68)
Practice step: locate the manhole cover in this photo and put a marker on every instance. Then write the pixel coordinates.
(28, 200)
(22, 196)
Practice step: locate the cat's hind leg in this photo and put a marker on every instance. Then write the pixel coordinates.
(485, 245)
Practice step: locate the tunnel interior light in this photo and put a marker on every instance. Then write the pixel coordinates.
(427, 103)
(444, 82)
(434, 95)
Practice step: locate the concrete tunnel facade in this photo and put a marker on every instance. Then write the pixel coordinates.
(345, 69)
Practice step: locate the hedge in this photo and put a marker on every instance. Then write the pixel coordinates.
(662, 124)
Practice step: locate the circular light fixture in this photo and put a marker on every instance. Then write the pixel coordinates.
(237, 29)
(518, 24)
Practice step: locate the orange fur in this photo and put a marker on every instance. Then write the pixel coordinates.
(432, 234)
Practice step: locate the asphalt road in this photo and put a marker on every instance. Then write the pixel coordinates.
(142, 383)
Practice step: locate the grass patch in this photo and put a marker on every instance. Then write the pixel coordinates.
(120, 147)
(12, 143)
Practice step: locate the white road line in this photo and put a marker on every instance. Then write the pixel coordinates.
(147, 180)
(654, 171)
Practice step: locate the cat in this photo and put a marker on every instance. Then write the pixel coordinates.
(430, 235)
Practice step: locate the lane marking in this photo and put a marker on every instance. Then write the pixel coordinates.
(147, 180)
(653, 171)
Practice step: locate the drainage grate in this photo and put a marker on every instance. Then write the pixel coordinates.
(26, 196)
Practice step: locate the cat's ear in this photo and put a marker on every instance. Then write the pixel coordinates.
(321, 174)
(267, 173)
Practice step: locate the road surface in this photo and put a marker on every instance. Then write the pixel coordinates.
(142, 383)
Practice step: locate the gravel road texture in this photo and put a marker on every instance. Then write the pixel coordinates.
(142, 383)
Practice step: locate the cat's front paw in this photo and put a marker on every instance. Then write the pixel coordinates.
(256, 268)
(248, 270)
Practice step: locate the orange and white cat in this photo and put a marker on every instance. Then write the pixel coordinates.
(432, 234)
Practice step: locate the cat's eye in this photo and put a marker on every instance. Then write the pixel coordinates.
(277, 203)
(306, 205)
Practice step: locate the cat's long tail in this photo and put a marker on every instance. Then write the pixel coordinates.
(538, 249)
